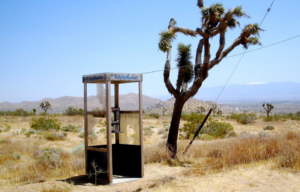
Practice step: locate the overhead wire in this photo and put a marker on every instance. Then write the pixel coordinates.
(268, 10)
(270, 45)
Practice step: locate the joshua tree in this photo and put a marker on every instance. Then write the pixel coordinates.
(214, 107)
(201, 109)
(164, 110)
(34, 111)
(215, 21)
(45, 106)
(219, 111)
(268, 109)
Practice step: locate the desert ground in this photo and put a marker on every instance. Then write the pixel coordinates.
(254, 160)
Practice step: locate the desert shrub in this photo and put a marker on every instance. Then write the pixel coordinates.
(205, 137)
(51, 157)
(52, 136)
(269, 127)
(7, 128)
(217, 129)
(17, 112)
(97, 109)
(56, 114)
(15, 133)
(70, 128)
(155, 115)
(17, 155)
(194, 120)
(184, 116)
(81, 134)
(213, 127)
(4, 141)
(295, 118)
(148, 131)
(132, 136)
(72, 111)
(243, 118)
(23, 130)
(232, 134)
(78, 149)
(43, 114)
(29, 132)
(160, 131)
(1, 130)
(102, 130)
(45, 124)
(275, 117)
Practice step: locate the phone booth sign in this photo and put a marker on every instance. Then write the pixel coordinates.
(122, 158)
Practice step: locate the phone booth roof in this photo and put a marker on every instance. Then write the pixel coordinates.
(113, 77)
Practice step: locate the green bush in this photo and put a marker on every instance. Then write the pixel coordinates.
(184, 116)
(81, 134)
(148, 131)
(17, 112)
(269, 127)
(275, 117)
(78, 149)
(205, 137)
(51, 157)
(243, 118)
(2, 141)
(23, 130)
(155, 115)
(102, 130)
(97, 109)
(52, 136)
(232, 134)
(217, 129)
(45, 124)
(71, 111)
(70, 128)
(29, 132)
(7, 128)
(212, 127)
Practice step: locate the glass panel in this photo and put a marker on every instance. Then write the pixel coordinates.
(97, 131)
(96, 100)
(101, 96)
(129, 124)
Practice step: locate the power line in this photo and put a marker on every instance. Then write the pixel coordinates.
(268, 10)
(235, 54)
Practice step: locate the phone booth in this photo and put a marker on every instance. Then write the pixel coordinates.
(120, 157)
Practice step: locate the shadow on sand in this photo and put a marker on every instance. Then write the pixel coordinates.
(82, 180)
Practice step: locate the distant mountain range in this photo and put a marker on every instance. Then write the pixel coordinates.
(254, 92)
(127, 102)
(234, 96)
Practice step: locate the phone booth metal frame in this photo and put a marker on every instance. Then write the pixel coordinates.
(114, 159)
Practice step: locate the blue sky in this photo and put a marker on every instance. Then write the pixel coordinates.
(46, 46)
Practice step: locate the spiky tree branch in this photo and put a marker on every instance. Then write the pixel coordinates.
(215, 21)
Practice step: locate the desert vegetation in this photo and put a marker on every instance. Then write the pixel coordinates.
(42, 149)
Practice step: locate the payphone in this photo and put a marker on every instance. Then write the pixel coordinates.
(110, 157)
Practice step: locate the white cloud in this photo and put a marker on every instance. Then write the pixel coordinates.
(256, 83)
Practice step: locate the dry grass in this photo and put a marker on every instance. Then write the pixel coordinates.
(219, 155)
(25, 162)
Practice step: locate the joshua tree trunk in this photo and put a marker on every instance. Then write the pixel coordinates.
(174, 127)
